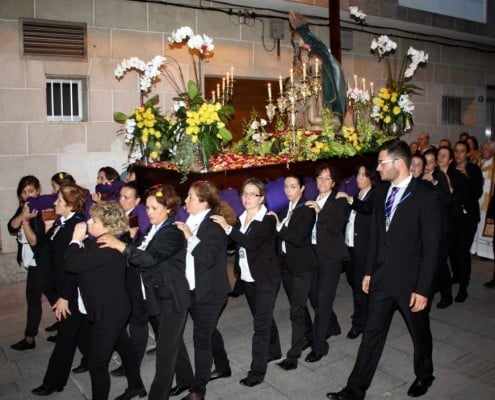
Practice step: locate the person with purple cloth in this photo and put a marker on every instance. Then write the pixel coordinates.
(108, 186)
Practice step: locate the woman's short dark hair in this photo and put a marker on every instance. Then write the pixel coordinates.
(74, 196)
(449, 150)
(111, 215)
(334, 172)
(110, 173)
(465, 144)
(133, 186)
(28, 180)
(297, 177)
(369, 172)
(209, 193)
(166, 196)
(63, 178)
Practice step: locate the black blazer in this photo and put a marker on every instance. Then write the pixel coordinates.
(38, 227)
(363, 208)
(163, 267)
(403, 259)
(210, 261)
(101, 280)
(297, 236)
(330, 228)
(467, 190)
(260, 242)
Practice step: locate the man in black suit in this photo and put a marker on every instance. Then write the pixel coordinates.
(400, 270)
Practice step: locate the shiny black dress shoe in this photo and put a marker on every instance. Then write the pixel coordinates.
(288, 364)
(419, 387)
(490, 285)
(44, 390)
(354, 333)
(342, 395)
(118, 372)
(52, 338)
(22, 345)
(461, 297)
(176, 390)
(220, 374)
(313, 356)
(53, 327)
(250, 381)
(80, 369)
(131, 393)
(444, 303)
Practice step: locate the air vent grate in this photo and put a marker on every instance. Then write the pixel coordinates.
(53, 38)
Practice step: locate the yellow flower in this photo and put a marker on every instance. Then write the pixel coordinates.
(385, 108)
(387, 119)
(154, 155)
(194, 139)
(396, 110)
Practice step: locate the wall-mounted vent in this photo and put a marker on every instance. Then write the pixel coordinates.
(44, 38)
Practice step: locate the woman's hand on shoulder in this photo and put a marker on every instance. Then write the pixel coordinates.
(184, 229)
(220, 220)
(96, 197)
(314, 205)
(79, 233)
(111, 241)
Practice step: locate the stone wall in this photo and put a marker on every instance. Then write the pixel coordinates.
(119, 29)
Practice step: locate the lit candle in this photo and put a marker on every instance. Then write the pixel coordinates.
(223, 85)
(355, 81)
(232, 74)
(213, 96)
(304, 71)
(218, 90)
(316, 66)
(371, 88)
(270, 91)
(363, 81)
(293, 119)
(280, 85)
(227, 79)
(291, 75)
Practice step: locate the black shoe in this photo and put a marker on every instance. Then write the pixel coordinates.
(461, 297)
(219, 374)
(354, 333)
(80, 369)
(176, 390)
(490, 284)
(151, 351)
(131, 393)
(52, 338)
(419, 387)
(313, 356)
(118, 371)
(22, 345)
(444, 303)
(342, 395)
(45, 390)
(52, 328)
(288, 364)
(250, 381)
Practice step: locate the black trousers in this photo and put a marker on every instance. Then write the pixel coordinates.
(138, 326)
(323, 290)
(36, 286)
(381, 309)
(261, 297)
(354, 270)
(167, 348)
(297, 287)
(463, 230)
(205, 316)
(105, 336)
(60, 362)
(444, 278)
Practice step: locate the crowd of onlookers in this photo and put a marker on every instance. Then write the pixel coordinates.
(115, 260)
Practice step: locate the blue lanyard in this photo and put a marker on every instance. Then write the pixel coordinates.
(392, 211)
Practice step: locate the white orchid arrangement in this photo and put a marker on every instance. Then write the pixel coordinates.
(256, 126)
(357, 95)
(148, 71)
(357, 14)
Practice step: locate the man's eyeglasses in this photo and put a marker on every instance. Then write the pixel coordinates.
(381, 162)
(250, 195)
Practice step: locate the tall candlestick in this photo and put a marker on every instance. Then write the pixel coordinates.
(355, 81)
(223, 85)
(363, 81)
(304, 71)
(316, 66)
(232, 74)
(371, 88)
(280, 85)
(270, 91)
(227, 79)
(213, 96)
(218, 90)
(291, 75)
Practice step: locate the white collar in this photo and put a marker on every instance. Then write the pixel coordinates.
(259, 215)
(195, 220)
(404, 183)
(64, 219)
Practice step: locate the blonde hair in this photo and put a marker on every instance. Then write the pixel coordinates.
(112, 216)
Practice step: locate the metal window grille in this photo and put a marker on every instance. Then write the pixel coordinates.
(451, 110)
(64, 100)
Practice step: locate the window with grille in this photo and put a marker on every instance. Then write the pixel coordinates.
(64, 100)
(451, 110)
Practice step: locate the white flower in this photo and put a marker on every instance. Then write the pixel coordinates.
(358, 96)
(255, 125)
(405, 103)
(178, 105)
(256, 137)
(357, 14)
(383, 45)
(263, 122)
(179, 35)
(148, 71)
